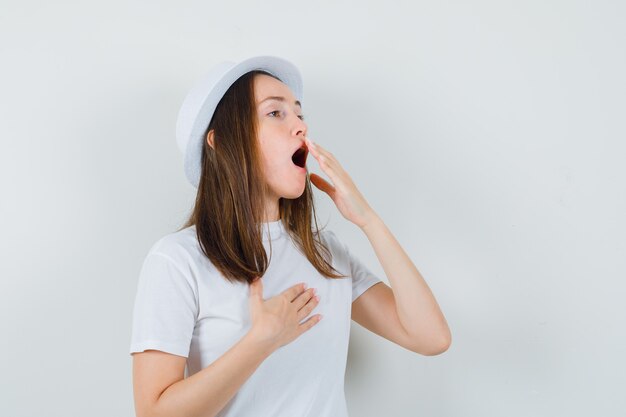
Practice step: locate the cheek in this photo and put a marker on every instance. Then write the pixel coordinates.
(272, 153)
(268, 160)
(264, 148)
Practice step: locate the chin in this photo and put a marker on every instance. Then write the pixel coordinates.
(293, 193)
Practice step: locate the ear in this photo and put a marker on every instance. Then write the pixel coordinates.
(209, 138)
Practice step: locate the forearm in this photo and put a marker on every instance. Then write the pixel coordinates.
(206, 392)
(417, 308)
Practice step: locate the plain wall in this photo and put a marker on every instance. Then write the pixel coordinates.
(489, 136)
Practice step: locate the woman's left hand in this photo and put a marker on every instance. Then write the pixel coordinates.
(349, 201)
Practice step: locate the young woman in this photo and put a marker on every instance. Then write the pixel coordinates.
(220, 328)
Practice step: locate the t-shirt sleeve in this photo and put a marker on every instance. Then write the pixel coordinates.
(165, 309)
(362, 277)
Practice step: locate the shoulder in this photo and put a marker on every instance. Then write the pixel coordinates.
(180, 247)
(330, 239)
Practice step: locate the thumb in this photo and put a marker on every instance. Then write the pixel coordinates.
(321, 183)
(256, 289)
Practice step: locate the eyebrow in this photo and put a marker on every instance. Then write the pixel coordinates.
(279, 98)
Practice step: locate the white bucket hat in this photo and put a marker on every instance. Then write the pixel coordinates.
(200, 103)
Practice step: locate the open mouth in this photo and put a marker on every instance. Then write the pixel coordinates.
(299, 156)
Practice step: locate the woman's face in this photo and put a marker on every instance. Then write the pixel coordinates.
(281, 133)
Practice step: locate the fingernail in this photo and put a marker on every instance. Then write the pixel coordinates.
(304, 285)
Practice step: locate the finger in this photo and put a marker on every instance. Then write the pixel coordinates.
(303, 298)
(310, 322)
(318, 151)
(311, 303)
(321, 183)
(327, 161)
(314, 149)
(256, 289)
(330, 170)
(294, 291)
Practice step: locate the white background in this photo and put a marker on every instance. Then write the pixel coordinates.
(488, 135)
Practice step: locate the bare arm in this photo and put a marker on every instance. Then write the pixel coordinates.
(417, 310)
(204, 393)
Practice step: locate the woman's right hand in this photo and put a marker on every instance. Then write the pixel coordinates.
(276, 321)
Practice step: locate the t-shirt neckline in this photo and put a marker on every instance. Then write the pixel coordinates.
(276, 229)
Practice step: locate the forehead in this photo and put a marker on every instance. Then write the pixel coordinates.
(266, 86)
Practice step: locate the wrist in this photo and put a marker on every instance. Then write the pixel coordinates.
(371, 219)
(259, 343)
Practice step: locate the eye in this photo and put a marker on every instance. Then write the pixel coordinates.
(301, 116)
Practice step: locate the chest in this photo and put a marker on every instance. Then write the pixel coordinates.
(224, 311)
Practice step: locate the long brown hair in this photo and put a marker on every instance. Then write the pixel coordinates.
(228, 211)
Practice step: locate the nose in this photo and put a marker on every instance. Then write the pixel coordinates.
(300, 127)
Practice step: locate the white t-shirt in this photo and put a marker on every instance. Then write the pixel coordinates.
(184, 306)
